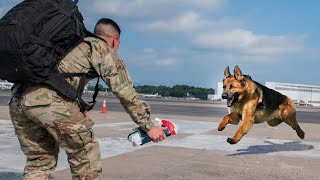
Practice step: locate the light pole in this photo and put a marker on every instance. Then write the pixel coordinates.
(311, 95)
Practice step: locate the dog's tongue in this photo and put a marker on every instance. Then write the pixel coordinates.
(229, 101)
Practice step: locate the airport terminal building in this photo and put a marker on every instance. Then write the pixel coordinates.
(299, 93)
(218, 93)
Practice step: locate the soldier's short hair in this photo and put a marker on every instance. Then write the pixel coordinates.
(107, 21)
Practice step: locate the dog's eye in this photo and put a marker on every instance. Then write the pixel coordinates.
(231, 86)
(224, 86)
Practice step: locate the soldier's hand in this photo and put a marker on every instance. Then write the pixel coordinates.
(156, 133)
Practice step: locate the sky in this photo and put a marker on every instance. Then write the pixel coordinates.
(190, 42)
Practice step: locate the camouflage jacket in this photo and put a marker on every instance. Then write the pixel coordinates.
(94, 55)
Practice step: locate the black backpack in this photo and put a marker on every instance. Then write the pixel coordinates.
(34, 36)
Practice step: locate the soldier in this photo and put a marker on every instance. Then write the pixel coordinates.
(44, 120)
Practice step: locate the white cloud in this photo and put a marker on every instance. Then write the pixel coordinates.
(152, 63)
(167, 62)
(248, 43)
(313, 54)
(235, 58)
(149, 59)
(2, 11)
(175, 51)
(188, 22)
(148, 50)
(149, 9)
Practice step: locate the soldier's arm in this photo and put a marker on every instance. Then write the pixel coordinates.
(113, 71)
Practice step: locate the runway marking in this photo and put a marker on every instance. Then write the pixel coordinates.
(5, 121)
(196, 137)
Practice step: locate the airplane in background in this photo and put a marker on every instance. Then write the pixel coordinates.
(151, 95)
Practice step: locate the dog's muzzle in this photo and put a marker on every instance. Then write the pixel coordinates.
(224, 95)
(230, 98)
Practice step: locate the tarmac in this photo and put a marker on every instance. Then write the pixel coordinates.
(198, 151)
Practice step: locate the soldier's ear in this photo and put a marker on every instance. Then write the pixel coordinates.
(226, 73)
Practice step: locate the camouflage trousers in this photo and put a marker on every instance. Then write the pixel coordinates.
(43, 122)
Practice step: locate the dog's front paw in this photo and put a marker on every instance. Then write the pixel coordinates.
(231, 141)
(220, 128)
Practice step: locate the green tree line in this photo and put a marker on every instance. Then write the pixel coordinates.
(176, 91)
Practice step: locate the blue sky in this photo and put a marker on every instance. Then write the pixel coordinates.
(169, 42)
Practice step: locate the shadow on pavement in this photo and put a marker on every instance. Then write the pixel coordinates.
(6, 175)
(273, 147)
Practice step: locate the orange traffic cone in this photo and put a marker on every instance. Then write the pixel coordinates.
(104, 107)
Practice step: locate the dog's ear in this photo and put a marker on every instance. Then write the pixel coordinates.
(238, 74)
(226, 72)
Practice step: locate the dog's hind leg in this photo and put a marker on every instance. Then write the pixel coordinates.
(300, 132)
(294, 124)
(231, 118)
(288, 114)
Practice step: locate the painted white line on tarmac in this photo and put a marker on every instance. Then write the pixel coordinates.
(5, 121)
(114, 124)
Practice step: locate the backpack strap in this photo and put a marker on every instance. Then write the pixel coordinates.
(95, 94)
(59, 82)
(84, 76)
(82, 104)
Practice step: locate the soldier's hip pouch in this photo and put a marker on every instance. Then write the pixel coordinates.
(37, 96)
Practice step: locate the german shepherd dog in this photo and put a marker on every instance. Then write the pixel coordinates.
(252, 102)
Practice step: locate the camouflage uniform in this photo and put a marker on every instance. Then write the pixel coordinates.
(44, 120)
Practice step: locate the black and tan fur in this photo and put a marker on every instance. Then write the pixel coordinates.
(252, 103)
